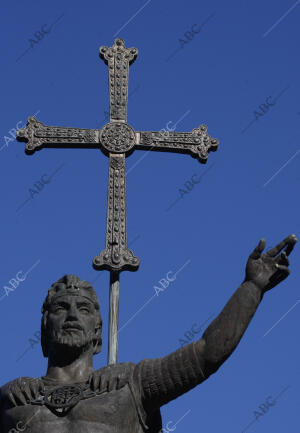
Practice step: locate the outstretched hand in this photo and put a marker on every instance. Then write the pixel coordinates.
(269, 269)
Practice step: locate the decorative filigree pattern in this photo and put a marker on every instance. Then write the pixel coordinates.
(63, 397)
(36, 134)
(118, 58)
(116, 255)
(198, 143)
(117, 137)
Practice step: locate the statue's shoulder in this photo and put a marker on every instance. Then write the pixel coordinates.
(11, 391)
(114, 376)
(20, 380)
(15, 383)
(115, 368)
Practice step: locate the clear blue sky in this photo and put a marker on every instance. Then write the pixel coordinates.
(244, 55)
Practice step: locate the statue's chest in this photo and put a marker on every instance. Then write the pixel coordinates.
(114, 411)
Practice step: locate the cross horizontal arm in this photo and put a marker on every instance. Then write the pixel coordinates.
(37, 135)
(197, 143)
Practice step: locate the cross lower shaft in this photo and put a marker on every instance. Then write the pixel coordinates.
(116, 257)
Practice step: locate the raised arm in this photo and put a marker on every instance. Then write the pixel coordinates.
(165, 379)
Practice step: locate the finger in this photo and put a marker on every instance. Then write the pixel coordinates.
(121, 380)
(40, 386)
(12, 398)
(283, 259)
(34, 389)
(291, 245)
(289, 242)
(95, 382)
(19, 397)
(113, 383)
(92, 383)
(17, 394)
(27, 392)
(258, 250)
(104, 383)
(283, 269)
(281, 274)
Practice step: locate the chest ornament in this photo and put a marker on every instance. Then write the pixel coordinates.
(62, 399)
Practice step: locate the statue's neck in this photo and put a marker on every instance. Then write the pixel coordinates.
(70, 370)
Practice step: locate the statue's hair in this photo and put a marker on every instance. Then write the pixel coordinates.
(69, 283)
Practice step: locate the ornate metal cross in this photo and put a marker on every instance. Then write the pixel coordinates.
(117, 140)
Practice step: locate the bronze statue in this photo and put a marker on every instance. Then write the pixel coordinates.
(127, 397)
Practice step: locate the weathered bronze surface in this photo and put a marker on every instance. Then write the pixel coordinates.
(117, 140)
(124, 398)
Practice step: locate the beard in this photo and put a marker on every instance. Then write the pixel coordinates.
(70, 343)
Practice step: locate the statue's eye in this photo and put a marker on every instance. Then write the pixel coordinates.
(58, 309)
(84, 310)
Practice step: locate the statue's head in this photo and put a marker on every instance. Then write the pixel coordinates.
(71, 319)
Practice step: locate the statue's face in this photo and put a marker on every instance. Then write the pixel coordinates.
(71, 322)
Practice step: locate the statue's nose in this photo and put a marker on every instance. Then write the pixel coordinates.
(72, 314)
